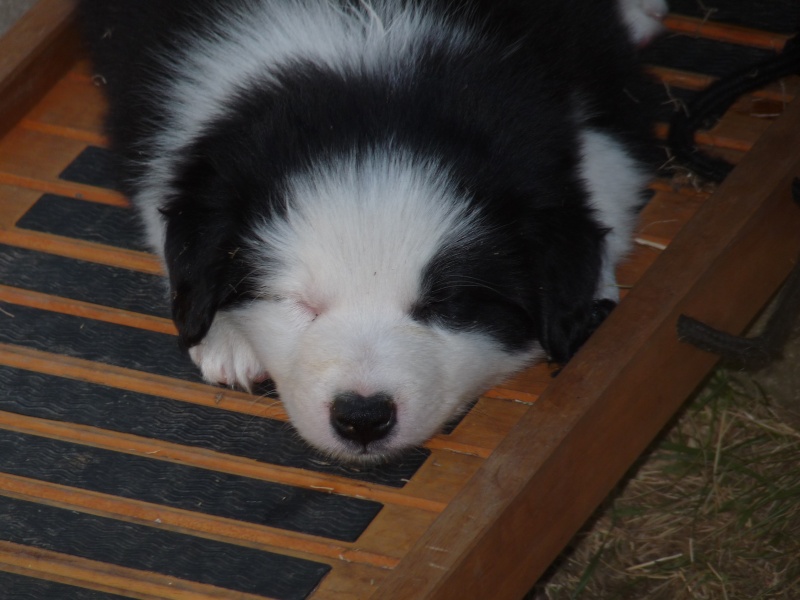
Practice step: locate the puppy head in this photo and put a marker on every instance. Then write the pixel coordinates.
(379, 298)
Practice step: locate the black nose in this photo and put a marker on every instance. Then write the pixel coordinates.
(363, 419)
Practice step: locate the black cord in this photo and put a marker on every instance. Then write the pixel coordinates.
(756, 352)
(710, 104)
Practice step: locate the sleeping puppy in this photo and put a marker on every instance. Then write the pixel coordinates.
(385, 206)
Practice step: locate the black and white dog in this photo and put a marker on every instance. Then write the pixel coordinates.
(385, 206)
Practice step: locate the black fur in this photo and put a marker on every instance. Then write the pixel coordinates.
(501, 120)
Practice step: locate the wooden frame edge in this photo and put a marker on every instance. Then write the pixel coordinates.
(522, 507)
(34, 53)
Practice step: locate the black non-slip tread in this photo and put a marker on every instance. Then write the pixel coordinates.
(84, 281)
(779, 16)
(266, 440)
(109, 343)
(22, 587)
(94, 166)
(160, 551)
(187, 488)
(115, 226)
(701, 55)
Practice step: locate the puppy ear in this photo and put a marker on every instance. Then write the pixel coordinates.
(569, 260)
(202, 250)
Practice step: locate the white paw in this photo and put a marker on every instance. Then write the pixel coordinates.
(225, 357)
(643, 18)
(607, 288)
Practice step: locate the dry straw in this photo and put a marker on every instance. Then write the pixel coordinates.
(711, 512)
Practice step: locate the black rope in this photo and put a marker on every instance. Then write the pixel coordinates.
(756, 352)
(710, 104)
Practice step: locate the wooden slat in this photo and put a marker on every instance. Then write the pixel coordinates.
(525, 386)
(73, 105)
(206, 526)
(722, 32)
(86, 310)
(32, 158)
(733, 132)
(477, 437)
(345, 582)
(573, 445)
(64, 131)
(99, 576)
(433, 486)
(634, 268)
(667, 213)
(63, 188)
(785, 89)
(483, 429)
(82, 250)
(139, 381)
(15, 202)
(504, 491)
(487, 423)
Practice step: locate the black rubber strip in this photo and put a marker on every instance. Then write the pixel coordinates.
(84, 281)
(118, 345)
(712, 103)
(83, 220)
(700, 55)
(266, 440)
(187, 488)
(94, 166)
(165, 552)
(780, 16)
(107, 343)
(21, 587)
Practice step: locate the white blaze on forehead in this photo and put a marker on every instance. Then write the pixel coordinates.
(360, 232)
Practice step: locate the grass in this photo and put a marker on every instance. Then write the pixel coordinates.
(711, 512)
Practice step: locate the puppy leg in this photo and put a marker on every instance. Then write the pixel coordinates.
(614, 181)
(225, 357)
(643, 18)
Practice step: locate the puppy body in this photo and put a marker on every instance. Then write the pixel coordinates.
(384, 206)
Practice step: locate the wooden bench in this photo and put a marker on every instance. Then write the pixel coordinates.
(479, 513)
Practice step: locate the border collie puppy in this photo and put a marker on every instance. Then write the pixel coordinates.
(385, 206)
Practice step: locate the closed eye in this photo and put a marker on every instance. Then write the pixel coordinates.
(310, 311)
(303, 308)
(300, 310)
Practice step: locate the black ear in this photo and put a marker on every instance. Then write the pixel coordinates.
(202, 250)
(568, 263)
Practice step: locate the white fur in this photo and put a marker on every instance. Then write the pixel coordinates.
(614, 181)
(347, 261)
(225, 357)
(643, 18)
(342, 268)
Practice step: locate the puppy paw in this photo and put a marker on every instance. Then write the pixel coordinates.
(643, 19)
(226, 358)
